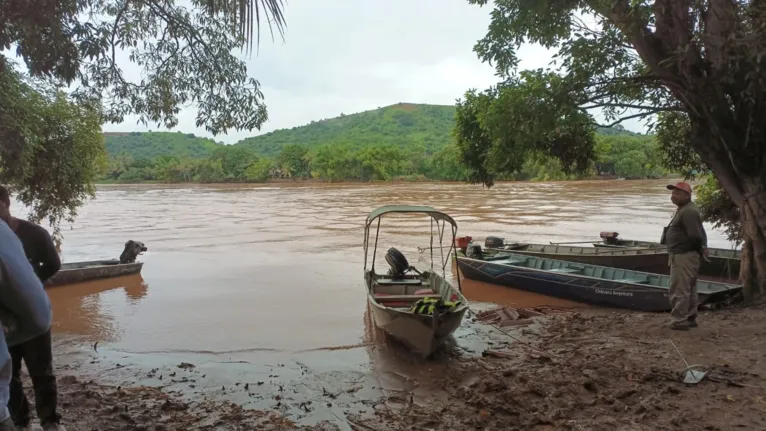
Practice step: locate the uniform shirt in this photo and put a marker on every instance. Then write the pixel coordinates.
(21, 292)
(685, 232)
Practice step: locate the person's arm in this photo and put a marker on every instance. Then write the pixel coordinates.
(694, 229)
(50, 263)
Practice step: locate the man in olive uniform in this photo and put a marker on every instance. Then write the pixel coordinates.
(686, 241)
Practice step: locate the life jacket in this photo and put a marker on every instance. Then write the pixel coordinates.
(427, 306)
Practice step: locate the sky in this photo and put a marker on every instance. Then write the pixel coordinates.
(347, 56)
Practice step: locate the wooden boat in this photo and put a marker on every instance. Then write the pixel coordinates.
(586, 283)
(390, 296)
(647, 260)
(78, 272)
(723, 262)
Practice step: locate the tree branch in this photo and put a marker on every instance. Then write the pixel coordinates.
(629, 117)
(654, 109)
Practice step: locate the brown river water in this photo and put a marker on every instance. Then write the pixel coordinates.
(244, 280)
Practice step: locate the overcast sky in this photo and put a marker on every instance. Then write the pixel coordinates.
(346, 56)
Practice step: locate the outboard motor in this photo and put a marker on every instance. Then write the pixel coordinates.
(473, 251)
(494, 242)
(398, 263)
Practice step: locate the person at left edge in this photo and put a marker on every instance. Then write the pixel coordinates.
(36, 352)
(21, 297)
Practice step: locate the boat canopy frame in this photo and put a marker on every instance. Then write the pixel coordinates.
(439, 220)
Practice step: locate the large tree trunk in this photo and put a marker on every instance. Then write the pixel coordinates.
(753, 219)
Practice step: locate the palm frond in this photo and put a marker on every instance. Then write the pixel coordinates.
(245, 16)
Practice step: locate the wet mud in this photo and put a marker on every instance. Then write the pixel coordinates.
(578, 370)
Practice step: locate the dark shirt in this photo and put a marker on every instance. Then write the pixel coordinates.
(685, 232)
(39, 248)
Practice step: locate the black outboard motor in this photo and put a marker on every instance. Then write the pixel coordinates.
(398, 263)
(494, 242)
(473, 251)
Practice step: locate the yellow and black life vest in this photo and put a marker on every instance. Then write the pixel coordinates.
(427, 306)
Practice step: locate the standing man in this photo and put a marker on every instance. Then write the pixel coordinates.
(686, 240)
(35, 351)
(23, 298)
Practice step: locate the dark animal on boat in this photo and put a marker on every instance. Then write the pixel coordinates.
(132, 250)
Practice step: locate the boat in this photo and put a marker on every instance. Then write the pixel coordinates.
(581, 282)
(393, 298)
(646, 260)
(78, 272)
(722, 262)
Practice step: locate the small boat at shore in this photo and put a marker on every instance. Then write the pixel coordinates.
(723, 262)
(421, 310)
(581, 282)
(78, 272)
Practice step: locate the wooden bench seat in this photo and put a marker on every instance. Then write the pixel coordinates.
(403, 281)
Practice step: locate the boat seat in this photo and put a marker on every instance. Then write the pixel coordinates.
(638, 280)
(567, 270)
(401, 300)
(404, 281)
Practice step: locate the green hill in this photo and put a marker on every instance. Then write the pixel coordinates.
(148, 145)
(404, 125)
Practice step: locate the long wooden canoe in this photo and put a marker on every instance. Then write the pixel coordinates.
(723, 262)
(647, 260)
(590, 284)
(78, 272)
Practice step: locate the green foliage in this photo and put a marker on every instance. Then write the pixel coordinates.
(718, 209)
(185, 50)
(402, 125)
(259, 171)
(293, 161)
(148, 145)
(52, 149)
(338, 162)
(529, 117)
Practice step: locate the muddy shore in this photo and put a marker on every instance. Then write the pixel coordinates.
(573, 370)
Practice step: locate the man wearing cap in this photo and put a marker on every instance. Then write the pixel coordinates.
(686, 241)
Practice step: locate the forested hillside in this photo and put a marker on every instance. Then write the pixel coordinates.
(404, 141)
(148, 145)
(404, 125)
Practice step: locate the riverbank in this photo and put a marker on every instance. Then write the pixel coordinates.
(592, 370)
(313, 181)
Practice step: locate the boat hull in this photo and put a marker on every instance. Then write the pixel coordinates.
(417, 332)
(587, 290)
(78, 272)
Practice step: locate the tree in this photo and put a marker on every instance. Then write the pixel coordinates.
(293, 161)
(695, 70)
(52, 150)
(234, 161)
(52, 147)
(259, 171)
(185, 52)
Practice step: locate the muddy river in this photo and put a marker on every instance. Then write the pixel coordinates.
(246, 280)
